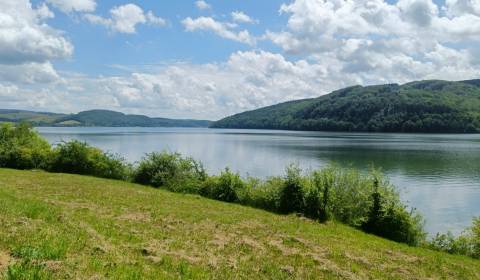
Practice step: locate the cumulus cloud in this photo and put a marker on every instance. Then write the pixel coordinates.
(25, 38)
(69, 6)
(376, 41)
(462, 7)
(241, 17)
(247, 80)
(28, 44)
(29, 73)
(202, 5)
(222, 29)
(335, 44)
(125, 18)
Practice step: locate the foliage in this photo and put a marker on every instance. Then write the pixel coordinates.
(263, 194)
(170, 171)
(467, 244)
(425, 106)
(223, 187)
(318, 196)
(21, 147)
(80, 158)
(390, 219)
(291, 194)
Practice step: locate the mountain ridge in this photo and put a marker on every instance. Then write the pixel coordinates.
(429, 106)
(95, 117)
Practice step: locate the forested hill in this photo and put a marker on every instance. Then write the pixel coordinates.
(95, 118)
(424, 106)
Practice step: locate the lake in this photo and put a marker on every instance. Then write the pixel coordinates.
(439, 174)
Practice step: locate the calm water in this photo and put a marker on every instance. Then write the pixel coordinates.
(437, 174)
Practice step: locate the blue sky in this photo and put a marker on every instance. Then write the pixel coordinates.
(210, 59)
(96, 49)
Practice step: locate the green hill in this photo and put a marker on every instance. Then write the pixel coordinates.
(95, 118)
(37, 118)
(58, 226)
(425, 106)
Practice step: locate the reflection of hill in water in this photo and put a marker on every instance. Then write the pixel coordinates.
(426, 156)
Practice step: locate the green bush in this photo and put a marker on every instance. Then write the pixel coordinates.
(170, 171)
(223, 187)
(318, 196)
(22, 148)
(291, 195)
(450, 244)
(79, 158)
(389, 218)
(262, 194)
(467, 244)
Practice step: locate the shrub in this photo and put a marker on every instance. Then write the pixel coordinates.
(291, 195)
(22, 148)
(171, 171)
(318, 200)
(79, 158)
(389, 218)
(450, 244)
(263, 194)
(223, 187)
(468, 243)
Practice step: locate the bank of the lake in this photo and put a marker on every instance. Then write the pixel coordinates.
(439, 174)
(69, 226)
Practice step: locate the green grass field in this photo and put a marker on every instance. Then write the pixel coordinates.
(57, 226)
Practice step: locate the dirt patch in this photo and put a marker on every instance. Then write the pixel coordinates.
(156, 256)
(135, 217)
(53, 265)
(358, 259)
(400, 256)
(286, 251)
(328, 265)
(5, 260)
(220, 240)
(251, 243)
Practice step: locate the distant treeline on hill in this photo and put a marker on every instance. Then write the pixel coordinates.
(103, 118)
(426, 106)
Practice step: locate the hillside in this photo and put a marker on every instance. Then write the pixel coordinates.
(95, 118)
(57, 226)
(37, 118)
(425, 106)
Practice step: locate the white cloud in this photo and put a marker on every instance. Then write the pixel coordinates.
(154, 20)
(202, 5)
(419, 12)
(69, 6)
(29, 73)
(125, 18)
(24, 37)
(375, 41)
(461, 7)
(241, 17)
(245, 81)
(222, 29)
(28, 44)
(336, 43)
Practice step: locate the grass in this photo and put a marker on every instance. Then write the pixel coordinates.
(58, 226)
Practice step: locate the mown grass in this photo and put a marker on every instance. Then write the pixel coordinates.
(59, 226)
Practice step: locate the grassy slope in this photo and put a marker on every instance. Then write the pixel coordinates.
(69, 226)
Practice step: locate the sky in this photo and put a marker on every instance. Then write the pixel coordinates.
(210, 59)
